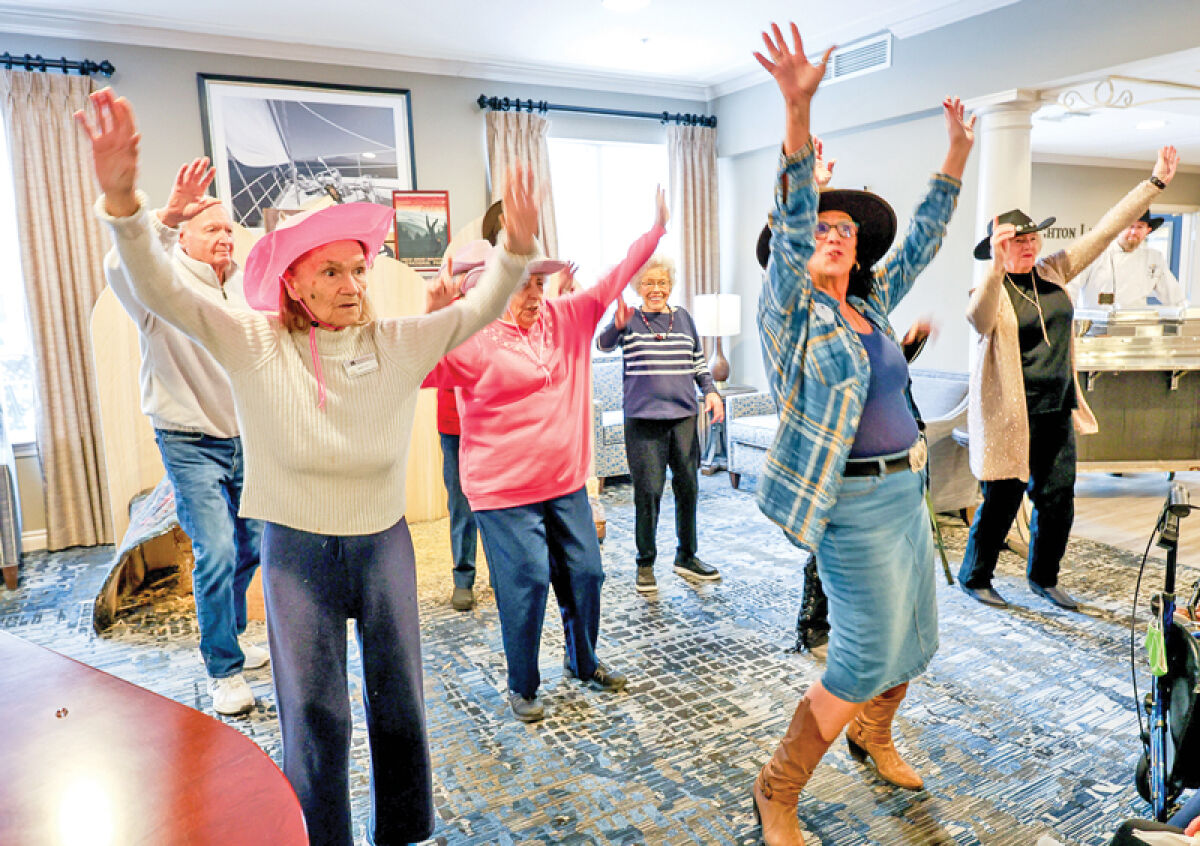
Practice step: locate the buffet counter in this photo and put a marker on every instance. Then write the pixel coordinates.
(1140, 372)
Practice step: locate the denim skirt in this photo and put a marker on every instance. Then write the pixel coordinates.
(876, 565)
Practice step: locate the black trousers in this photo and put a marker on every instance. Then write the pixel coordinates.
(651, 447)
(1051, 487)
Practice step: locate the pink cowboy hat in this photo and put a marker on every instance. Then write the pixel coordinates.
(469, 256)
(367, 223)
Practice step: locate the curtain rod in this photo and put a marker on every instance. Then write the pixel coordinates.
(84, 67)
(504, 104)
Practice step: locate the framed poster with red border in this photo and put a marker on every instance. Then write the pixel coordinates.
(422, 227)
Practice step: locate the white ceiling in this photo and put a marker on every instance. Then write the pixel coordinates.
(1124, 115)
(698, 49)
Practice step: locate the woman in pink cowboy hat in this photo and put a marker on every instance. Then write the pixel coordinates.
(325, 395)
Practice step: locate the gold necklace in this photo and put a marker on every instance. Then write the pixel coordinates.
(1035, 301)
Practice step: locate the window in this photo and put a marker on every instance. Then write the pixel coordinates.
(17, 377)
(604, 200)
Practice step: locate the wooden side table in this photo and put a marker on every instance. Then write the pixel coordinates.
(716, 445)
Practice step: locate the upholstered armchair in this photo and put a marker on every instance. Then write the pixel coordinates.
(608, 416)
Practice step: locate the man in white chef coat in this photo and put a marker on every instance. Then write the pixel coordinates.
(1128, 273)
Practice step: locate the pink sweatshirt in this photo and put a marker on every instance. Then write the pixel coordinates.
(525, 401)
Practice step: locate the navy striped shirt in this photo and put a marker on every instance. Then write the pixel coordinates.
(661, 376)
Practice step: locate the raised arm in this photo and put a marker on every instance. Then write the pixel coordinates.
(236, 339)
(421, 341)
(589, 305)
(612, 336)
(896, 275)
(1085, 250)
(984, 304)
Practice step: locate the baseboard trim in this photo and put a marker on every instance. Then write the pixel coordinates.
(33, 541)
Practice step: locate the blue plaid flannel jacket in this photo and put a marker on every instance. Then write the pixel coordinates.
(816, 364)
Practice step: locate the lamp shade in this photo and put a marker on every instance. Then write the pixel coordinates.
(717, 315)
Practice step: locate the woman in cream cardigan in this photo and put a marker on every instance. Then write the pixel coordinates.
(1024, 396)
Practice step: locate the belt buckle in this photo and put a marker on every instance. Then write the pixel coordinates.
(918, 455)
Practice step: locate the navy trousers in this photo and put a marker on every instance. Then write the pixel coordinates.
(1051, 487)
(313, 585)
(462, 519)
(529, 549)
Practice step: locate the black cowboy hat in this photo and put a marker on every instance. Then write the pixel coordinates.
(1018, 218)
(1152, 222)
(875, 218)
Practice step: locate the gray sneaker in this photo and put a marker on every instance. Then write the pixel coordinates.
(602, 679)
(696, 570)
(526, 710)
(463, 599)
(645, 580)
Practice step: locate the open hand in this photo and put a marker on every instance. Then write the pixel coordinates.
(662, 213)
(442, 290)
(1168, 160)
(714, 408)
(1002, 241)
(796, 76)
(566, 279)
(624, 312)
(521, 203)
(188, 197)
(959, 127)
(114, 138)
(822, 169)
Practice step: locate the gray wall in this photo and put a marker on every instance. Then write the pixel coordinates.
(448, 130)
(886, 131)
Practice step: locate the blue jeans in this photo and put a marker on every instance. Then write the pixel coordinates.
(529, 548)
(462, 519)
(314, 584)
(206, 473)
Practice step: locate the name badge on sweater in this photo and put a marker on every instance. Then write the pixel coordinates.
(361, 366)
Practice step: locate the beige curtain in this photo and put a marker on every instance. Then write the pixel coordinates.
(520, 137)
(62, 251)
(692, 152)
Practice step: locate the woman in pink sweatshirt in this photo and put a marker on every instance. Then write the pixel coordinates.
(524, 457)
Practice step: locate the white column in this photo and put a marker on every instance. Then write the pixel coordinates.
(1005, 160)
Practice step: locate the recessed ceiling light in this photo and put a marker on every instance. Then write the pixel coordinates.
(368, 155)
(624, 5)
(1148, 125)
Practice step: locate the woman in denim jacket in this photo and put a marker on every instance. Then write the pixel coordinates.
(843, 477)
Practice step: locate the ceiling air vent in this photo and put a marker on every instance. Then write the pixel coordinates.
(866, 56)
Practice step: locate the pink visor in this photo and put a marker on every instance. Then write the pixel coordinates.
(275, 252)
(471, 255)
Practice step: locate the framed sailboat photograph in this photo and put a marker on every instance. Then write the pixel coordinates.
(277, 144)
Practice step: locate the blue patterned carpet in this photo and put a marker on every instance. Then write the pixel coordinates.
(1023, 726)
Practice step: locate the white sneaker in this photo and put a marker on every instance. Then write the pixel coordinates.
(231, 695)
(255, 656)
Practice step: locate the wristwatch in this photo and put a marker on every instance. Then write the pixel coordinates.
(1158, 183)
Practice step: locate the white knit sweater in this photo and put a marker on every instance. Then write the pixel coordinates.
(337, 471)
(182, 386)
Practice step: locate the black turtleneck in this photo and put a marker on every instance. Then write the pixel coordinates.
(1049, 383)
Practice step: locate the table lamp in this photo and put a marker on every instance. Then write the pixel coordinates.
(718, 316)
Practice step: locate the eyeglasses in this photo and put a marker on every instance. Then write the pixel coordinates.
(847, 229)
(651, 282)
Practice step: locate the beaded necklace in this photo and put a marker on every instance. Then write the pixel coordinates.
(670, 324)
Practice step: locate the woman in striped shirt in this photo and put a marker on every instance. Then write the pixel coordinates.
(664, 365)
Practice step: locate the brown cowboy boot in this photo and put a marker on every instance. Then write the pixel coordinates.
(777, 788)
(870, 733)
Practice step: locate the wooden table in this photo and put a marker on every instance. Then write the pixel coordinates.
(86, 758)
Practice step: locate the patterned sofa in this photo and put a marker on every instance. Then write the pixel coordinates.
(608, 416)
(751, 421)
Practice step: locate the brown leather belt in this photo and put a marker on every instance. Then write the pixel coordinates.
(876, 466)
